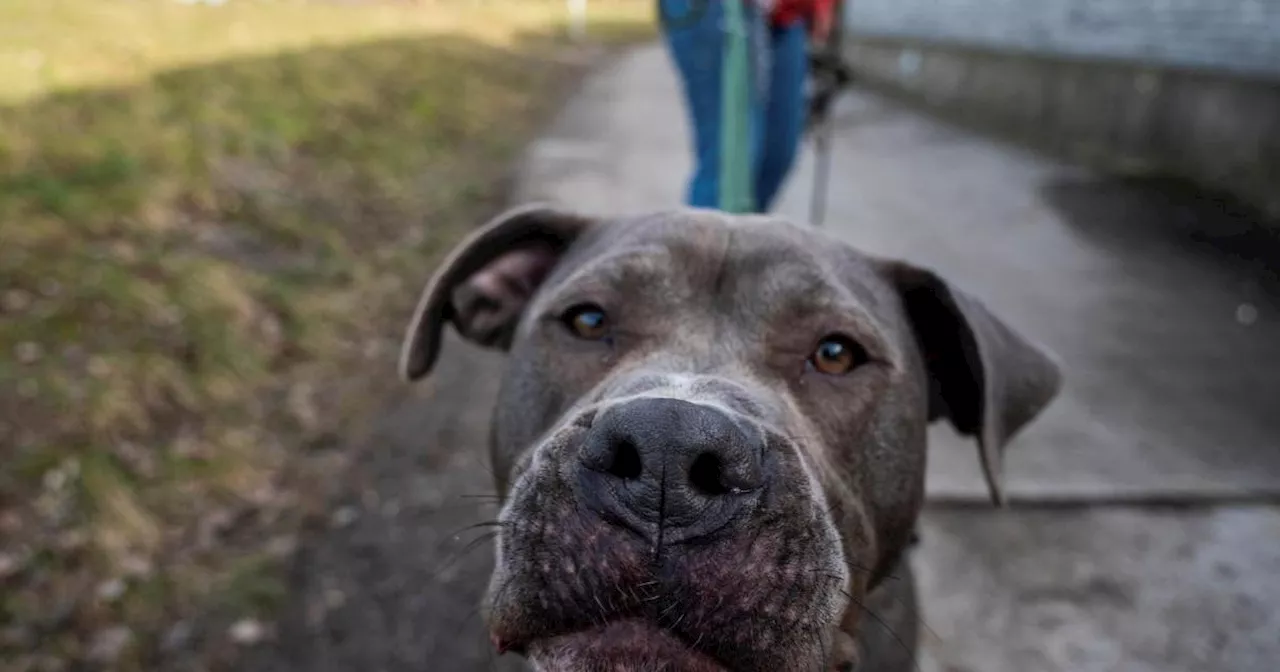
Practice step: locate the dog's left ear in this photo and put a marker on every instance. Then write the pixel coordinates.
(984, 377)
(484, 285)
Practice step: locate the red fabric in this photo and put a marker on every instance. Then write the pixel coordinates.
(816, 12)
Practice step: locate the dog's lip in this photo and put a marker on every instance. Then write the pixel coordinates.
(619, 641)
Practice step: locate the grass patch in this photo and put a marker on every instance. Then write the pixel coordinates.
(213, 221)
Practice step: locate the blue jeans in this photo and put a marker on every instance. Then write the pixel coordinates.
(695, 38)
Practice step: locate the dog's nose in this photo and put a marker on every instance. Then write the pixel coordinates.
(670, 467)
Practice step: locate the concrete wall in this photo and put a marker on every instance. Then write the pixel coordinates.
(1241, 36)
(1194, 91)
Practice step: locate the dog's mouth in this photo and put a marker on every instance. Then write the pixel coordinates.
(621, 646)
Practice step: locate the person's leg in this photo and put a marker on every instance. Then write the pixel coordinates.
(695, 40)
(785, 110)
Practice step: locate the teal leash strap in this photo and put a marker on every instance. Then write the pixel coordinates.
(735, 114)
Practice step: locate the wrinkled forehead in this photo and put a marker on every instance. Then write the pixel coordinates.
(756, 266)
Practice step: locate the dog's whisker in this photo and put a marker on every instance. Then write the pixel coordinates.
(680, 620)
(921, 621)
(484, 524)
(835, 509)
(466, 550)
(477, 542)
(603, 612)
(675, 602)
(478, 460)
(826, 645)
(492, 529)
(915, 664)
(861, 568)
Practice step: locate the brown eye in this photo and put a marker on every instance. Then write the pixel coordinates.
(586, 321)
(837, 355)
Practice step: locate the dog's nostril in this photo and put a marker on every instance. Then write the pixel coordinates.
(626, 461)
(706, 475)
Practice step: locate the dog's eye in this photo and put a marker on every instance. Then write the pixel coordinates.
(837, 355)
(586, 321)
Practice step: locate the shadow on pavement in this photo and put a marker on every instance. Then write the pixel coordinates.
(1206, 227)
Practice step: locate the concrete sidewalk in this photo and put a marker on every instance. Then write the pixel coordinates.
(1166, 313)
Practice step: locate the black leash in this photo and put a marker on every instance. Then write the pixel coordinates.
(830, 74)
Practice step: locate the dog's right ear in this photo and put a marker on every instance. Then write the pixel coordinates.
(487, 281)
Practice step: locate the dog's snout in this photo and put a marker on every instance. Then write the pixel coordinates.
(669, 464)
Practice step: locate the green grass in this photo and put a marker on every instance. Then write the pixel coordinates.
(212, 221)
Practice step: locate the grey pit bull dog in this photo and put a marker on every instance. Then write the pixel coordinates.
(710, 437)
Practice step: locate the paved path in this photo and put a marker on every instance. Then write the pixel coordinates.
(1171, 338)
(1170, 334)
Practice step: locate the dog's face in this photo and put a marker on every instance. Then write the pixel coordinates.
(710, 439)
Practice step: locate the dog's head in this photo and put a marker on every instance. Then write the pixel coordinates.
(710, 438)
